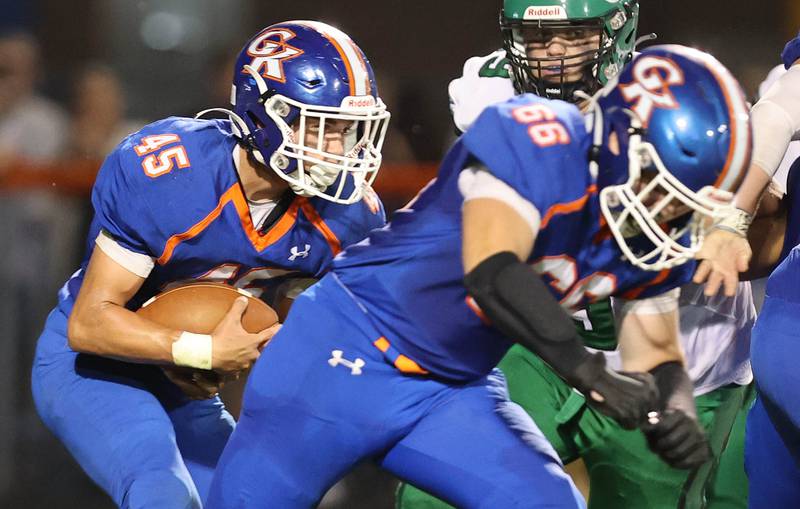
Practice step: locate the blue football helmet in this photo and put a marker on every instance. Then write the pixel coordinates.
(672, 136)
(295, 83)
(791, 52)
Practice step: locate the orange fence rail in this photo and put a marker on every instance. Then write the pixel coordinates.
(76, 177)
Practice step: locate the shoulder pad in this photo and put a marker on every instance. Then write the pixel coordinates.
(351, 223)
(545, 166)
(157, 167)
(174, 146)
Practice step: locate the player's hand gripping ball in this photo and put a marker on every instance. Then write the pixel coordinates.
(198, 308)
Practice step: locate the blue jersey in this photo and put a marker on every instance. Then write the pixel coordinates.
(784, 282)
(408, 276)
(171, 191)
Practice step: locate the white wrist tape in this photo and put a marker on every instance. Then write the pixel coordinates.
(192, 350)
(738, 222)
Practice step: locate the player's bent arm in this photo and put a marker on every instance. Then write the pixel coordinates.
(100, 324)
(497, 235)
(648, 341)
(766, 237)
(776, 121)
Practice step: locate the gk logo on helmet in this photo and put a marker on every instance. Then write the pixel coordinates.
(270, 50)
(650, 89)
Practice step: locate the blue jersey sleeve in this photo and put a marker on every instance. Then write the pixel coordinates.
(792, 203)
(348, 224)
(162, 181)
(363, 217)
(538, 147)
(117, 211)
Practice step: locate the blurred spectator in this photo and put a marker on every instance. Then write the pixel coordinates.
(32, 128)
(98, 108)
(221, 71)
(40, 232)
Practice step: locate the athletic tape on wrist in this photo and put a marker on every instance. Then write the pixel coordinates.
(192, 350)
(737, 222)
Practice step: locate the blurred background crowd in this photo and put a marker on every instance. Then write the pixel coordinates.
(76, 77)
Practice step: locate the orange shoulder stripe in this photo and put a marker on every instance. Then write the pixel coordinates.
(234, 195)
(195, 230)
(566, 208)
(313, 216)
(347, 64)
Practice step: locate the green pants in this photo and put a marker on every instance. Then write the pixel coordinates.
(623, 472)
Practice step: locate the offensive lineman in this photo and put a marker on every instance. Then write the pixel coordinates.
(556, 49)
(408, 325)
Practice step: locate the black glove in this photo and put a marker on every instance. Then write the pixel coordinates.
(677, 437)
(627, 398)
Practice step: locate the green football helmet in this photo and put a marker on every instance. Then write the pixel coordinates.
(596, 39)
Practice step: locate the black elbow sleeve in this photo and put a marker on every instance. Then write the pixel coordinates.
(518, 303)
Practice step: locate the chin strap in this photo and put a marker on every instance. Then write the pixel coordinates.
(594, 124)
(643, 39)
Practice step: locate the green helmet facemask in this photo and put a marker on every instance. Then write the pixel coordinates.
(557, 47)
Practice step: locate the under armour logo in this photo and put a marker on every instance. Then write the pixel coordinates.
(355, 366)
(650, 89)
(271, 50)
(296, 253)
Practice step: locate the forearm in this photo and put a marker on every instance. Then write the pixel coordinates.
(517, 302)
(111, 330)
(766, 236)
(775, 120)
(752, 189)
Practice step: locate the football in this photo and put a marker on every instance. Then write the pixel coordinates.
(199, 307)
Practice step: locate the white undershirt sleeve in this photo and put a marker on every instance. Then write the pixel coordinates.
(776, 121)
(137, 263)
(475, 182)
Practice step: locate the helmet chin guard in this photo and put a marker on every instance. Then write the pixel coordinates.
(630, 213)
(317, 169)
